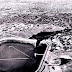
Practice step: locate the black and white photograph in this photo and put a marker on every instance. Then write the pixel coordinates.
(35, 35)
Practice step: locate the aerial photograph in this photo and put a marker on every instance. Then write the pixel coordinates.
(35, 35)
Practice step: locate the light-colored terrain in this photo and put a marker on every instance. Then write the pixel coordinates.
(24, 19)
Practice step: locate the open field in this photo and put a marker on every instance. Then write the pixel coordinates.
(25, 19)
